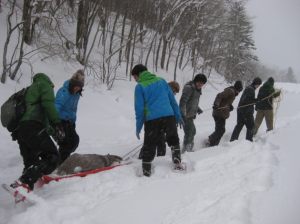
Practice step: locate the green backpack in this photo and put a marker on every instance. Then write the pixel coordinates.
(13, 110)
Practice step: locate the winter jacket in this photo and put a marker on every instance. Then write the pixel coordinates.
(40, 101)
(248, 97)
(224, 101)
(189, 100)
(66, 103)
(265, 97)
(153, 99)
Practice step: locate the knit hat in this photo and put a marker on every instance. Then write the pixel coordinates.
(271, 81)
(174, 86)
(200, 78)
(77, 78)
(138, 69)
(238, 85)
(256, 81)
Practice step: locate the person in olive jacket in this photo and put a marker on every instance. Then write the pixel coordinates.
(264, 106)
(245, 111)
(221, 111)
(189, 107)
(40, 155)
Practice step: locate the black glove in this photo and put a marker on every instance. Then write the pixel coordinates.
(199, 111)
(231, 107)
(181, 123)
(60, 133)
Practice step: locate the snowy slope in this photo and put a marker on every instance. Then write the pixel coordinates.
(236, 183)
(239, 182)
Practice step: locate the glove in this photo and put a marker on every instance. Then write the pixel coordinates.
(137, 135)
(231, 107)
(60, 132)
(199, 111)
(181, 123)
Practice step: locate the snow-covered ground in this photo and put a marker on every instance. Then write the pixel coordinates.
(238, 182)
(234, 183)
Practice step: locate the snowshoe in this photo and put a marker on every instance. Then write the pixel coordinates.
(179, 167)
(19, 191)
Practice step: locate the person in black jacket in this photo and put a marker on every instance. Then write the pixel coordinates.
(245, 111)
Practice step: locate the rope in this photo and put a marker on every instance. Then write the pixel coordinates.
(134, 151)
(250, 104)
(277, 101)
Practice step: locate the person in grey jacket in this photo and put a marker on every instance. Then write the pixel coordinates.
(189, 106)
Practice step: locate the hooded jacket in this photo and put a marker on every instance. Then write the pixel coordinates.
(40, 101)
(265, 96)
(66, 103)
(153, 99)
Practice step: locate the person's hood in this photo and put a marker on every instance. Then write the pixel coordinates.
(146, 78)
(41, 77)
(66, 84)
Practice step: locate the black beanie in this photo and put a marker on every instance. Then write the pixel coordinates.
(256, 81)
(271, 81)
(200, 78)
(138, 69)
(238, 85)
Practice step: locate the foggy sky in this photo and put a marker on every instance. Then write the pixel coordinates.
(277, 32)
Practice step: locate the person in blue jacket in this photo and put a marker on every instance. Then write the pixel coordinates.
(157, 109)
(66, 103)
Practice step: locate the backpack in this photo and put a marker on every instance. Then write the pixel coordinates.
(13, 110)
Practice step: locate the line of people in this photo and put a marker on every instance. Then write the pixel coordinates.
(155, 108)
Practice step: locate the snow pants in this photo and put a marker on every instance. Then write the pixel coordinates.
(70, 142)
(160, 147)
(248, 121)
(260, 115)
(189, 132)
(215, 137)
(40, 155)
(153, 132)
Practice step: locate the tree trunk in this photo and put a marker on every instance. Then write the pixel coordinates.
(164, 51)
(176, 62)
(113, 33)
(26, 17)
(171, 47)
(122, 37)
(157, 54)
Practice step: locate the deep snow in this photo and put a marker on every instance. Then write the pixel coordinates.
(239, 182)
(234, 183)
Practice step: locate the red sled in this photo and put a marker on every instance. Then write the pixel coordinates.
(48, 178)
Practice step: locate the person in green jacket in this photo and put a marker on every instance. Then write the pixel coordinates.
(264, 106)
(40, 155)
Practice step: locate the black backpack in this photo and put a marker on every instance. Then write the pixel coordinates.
(13, 110)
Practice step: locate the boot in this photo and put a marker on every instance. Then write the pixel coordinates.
(189, 147)
(146, 169)
(30, 176)
(176, 156)
(183, 149)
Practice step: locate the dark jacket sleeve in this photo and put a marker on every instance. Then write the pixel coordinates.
(248, 97)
